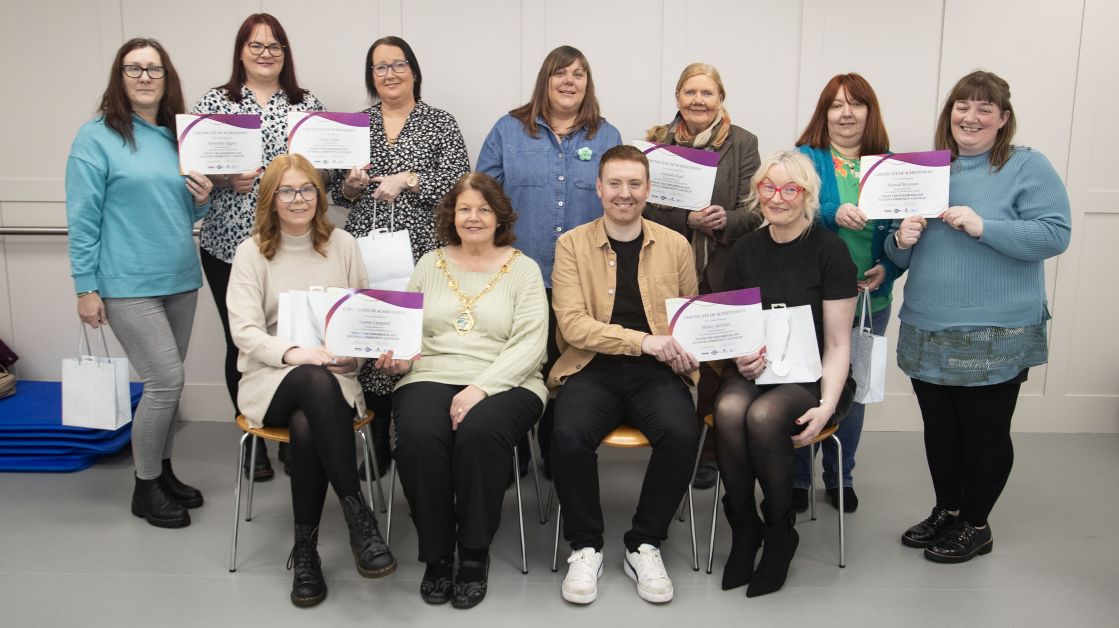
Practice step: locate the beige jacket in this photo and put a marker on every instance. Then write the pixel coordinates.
(584, 280)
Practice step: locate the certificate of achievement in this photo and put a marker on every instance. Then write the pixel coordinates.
(329, 140)
(219, 143)
(367, 323)
(904, 184)
(680, 176)
(719, 325)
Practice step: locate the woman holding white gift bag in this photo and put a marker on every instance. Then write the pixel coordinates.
(794, 263)
(130, 215)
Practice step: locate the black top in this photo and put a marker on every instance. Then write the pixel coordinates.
(629, 312)
(807, 271)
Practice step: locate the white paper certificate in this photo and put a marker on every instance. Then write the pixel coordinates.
(367, 323)
(680, 176)
(329, 140)
(219, 143)
(904, 184)
(719, 325)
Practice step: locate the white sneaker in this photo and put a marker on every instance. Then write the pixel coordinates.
(647, 570)
(580, 585)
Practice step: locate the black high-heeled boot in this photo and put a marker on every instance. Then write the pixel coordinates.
(308, 587)
(748, 531)
(151, 502)
(185, 494)
(371, 553)
(780, 544)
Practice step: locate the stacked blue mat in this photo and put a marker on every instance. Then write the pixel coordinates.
(32, 437)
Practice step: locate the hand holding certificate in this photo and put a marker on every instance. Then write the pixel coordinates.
(680, 176)
(329, 140)
(904, 184)
(719, 325)
(219, 143)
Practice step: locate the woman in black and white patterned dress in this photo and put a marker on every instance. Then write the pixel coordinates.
(262, 82)
(416, 155)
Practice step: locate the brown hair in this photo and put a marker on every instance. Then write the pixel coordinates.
(875, 139)
(588, 116)
(409, 56)
(495, 197)
(662, 132)
(982, 86)
(288, 85)
(267, 227)
(115, 107)
(623, 152)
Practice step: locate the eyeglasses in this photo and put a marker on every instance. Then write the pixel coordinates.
(155, 72)
(398, 67)
(789, 191)
(308, 193)
(256, 49)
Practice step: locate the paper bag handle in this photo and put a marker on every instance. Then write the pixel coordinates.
(89, 348)
(865, 320)
(392, 216)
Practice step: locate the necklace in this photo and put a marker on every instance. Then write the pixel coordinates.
(464, 320)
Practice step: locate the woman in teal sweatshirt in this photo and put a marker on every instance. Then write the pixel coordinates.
(132, 256)
(974, 316)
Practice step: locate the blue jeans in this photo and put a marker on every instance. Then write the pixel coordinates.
(849, 432)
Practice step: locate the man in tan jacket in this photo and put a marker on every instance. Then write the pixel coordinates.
(619, 363)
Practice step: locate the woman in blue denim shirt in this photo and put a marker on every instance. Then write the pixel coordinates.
(545, 155)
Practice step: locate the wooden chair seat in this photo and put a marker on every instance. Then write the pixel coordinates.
(283, 435)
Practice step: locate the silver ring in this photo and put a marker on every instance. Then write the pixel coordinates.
(460, 410)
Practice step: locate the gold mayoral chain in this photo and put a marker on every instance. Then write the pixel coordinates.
(464, 320)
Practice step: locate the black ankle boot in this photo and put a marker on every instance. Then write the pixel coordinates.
(185, 494)
(308, 587)
(780, 544)
(371, 554)
(152, 503)
(748, 532)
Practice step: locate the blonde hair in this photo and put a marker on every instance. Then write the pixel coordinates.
(800, 170)
(661, 133)
(266, 229)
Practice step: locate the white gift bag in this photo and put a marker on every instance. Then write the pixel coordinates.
(301, 315)
(387, 254)
(868, 357)
(792, 355)
(95, 388)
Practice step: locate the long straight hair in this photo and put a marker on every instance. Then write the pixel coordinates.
(588, 116)
(116, 108)
(267, 224)
(288, 85)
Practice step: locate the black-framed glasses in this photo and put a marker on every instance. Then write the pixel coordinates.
(789, 191)
(256, 49)
(308, 193)
(398, 67)
(155, 72)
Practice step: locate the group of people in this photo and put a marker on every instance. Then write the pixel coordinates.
(545, 274)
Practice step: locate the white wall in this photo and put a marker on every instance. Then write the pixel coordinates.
(479, 60)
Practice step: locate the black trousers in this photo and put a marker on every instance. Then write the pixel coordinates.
(967, 443)
(217, 276)
(455, 479)
(648, 396)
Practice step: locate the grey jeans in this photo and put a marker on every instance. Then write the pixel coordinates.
(154, 332)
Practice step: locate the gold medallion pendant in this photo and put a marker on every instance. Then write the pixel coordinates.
(464, 322)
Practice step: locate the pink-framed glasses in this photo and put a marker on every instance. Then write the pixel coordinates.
(789, 191)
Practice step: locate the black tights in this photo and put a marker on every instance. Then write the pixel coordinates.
(754, 425)
(309, 402)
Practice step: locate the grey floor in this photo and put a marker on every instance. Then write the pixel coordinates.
(72, 554)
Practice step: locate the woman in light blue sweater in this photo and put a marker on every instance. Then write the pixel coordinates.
(974, 317)
(132, 256)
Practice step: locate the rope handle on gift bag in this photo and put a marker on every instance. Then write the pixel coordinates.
(392, 218)
(88, 353)
(865, 320)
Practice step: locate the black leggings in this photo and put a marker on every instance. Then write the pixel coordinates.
(309, 402)
(754, 425)
(967, 443)
(217, 275)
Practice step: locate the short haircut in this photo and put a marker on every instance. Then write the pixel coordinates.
(409, 56)
(495, 197)
(267, 225)
(875, 140)
(983, 86)
(623, 152)
(801, 172)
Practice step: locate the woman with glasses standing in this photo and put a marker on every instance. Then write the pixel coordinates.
(416, 155)
(130, 216)
(262, 82)
(795, 263)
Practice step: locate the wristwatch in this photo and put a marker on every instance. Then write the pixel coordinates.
(413, 181)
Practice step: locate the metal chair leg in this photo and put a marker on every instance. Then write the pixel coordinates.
(252, 481)
(365, 451)
(842, 537)
(237, 501)
(520, 508)
(691, 525)
(714, 519)
(555, 546)
(392, 493)
(368, 438)
(695, 469)
(812, 481)
(534, 449)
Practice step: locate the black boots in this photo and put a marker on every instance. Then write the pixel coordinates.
(308, 587)
(371, 554)
(934, 526)
(262, 472)
(184, 494)
(151, 502)
(748, 532)
(780, 544)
